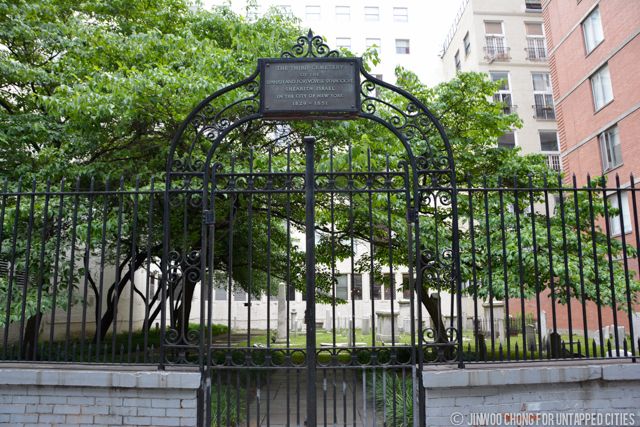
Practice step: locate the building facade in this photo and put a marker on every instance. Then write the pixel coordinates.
(506, 40)
(392, 28)
(595, 67)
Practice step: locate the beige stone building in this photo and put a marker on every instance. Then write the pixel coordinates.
(506, 40)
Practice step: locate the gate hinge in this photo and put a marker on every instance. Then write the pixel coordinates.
(208, 217)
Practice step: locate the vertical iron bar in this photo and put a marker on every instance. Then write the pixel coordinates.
(534, 241)
(56, 265)
(580, 265)
(565, 258)
(523, 325)
(594, 247)
(632, 332)
(310, 266)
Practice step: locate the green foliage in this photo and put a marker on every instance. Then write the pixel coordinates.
(393, 397)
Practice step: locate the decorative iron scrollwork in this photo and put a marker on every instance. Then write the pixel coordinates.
(310, 46)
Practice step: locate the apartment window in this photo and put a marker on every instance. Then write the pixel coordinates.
(344, 42)
(533, 5)
(592, 30)
(503, 95)
(312, 13)
(457, 60)
(508, 140)
(341, 287)
(610, 149)
(356, 286)
(371, 13)
(400, 14)
(536, 48)
(601, 88)
(373, 43)
(543, 97)
(402, 46)
(467, 44)
(496, 45)
(549, 140)
(614, 220)
(343, 13)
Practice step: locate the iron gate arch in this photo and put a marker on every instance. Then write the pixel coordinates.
(202, 177)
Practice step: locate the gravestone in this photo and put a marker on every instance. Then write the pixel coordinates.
(282, 314)
(294, 322)
(328, 321)
(531, 337)
(544, 332)
(366, 326)
(387, 325)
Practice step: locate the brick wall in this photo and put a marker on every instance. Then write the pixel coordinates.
(57, 397)
(453, 395)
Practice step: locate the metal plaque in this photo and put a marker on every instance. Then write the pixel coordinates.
(317, 87)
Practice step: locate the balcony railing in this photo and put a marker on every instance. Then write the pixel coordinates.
(544, 112)
(553, 160)
(536, 53)
(495, 50)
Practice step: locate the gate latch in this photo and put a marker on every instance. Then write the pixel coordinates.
(208, 217)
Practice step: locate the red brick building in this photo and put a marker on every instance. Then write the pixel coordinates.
(595, 70)
(594, 48)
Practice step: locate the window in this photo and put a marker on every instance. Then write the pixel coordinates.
(601, 88)
(592, 30)
(344, 42)
(356, 286)
(543, 97)
(341, 287)
(389, 286)
(343, 13)
(615, 222)
(467, 44)
(503, 95)
(400, 14)
(376, 289)
(536, 48)
(312, 13)
(496, 48)
(533, 5)
(549, 140)
(406, 287)
(402, 46)
(610, 149)
(457, 60)
(373, 43)
(508, 140)
(371, 13)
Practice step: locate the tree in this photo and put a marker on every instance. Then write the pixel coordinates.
(93, 91)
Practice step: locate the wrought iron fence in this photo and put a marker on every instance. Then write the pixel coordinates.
(549, 270)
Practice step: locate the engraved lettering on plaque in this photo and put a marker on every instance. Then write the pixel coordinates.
(319, 86)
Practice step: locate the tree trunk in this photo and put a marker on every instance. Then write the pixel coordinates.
(29, 350)
(112, 300)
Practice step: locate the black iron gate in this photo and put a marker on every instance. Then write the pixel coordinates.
(302, 290)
